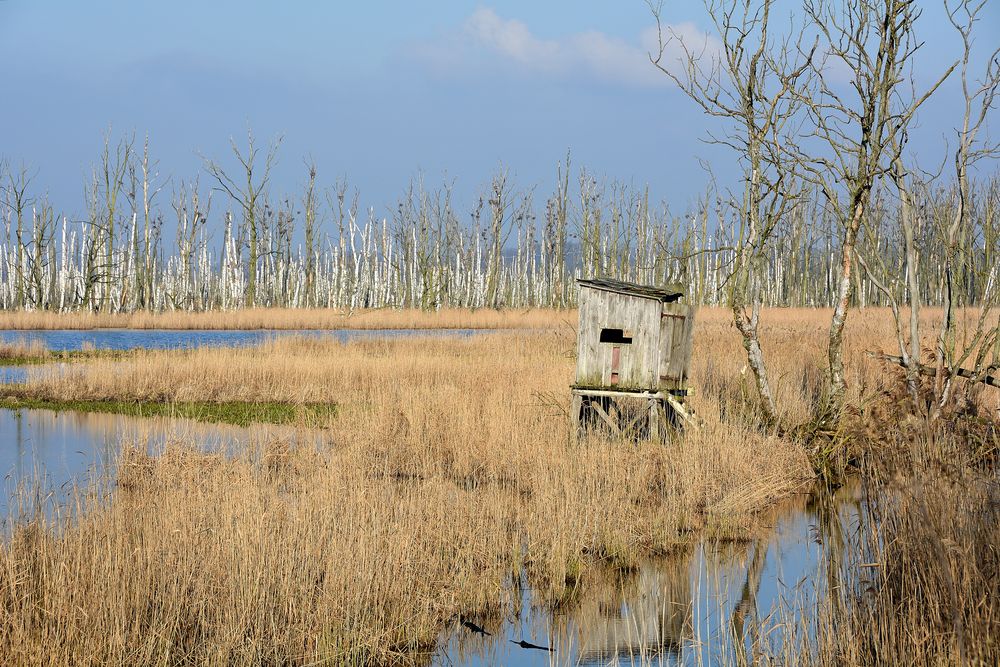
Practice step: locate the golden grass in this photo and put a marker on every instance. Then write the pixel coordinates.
(20, 351)
(449, 468)
(292, 318)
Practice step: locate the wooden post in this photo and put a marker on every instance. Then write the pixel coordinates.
(654, 419)
(576, 417)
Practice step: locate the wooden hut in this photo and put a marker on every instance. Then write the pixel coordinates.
(633, 351)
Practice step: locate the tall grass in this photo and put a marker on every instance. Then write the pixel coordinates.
(928, 589)
(449, 469)
(290, 318)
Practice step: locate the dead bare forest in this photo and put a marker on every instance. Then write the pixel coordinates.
(152, 243)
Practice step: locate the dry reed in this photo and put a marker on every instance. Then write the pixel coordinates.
(291, 318)
(449, 468)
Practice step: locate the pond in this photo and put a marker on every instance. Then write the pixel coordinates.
(45, 453)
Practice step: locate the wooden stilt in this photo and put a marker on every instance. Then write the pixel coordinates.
(662, 411)
(602, 413)
(654, 419)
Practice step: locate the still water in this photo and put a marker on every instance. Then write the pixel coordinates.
(172, 339)
(714, 604)
(44, 453)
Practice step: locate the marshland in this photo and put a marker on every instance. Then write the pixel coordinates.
(254, 412)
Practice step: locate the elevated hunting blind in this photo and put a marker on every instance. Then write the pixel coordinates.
(633, 351)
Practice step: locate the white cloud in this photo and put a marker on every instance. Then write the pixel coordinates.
(486, 37)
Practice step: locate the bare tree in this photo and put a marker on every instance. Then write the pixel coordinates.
(857, 127)
(310, 210)
(507, 207)
(19, 201)
(981, 344)
(255, 177)
(755, 86)
(150, 188)
(892, 261)
(114, 164)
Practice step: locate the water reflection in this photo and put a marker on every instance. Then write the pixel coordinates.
(714, 604)
(43, 453)
(170, 339)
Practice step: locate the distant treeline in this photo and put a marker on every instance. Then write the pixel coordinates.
(225, 241)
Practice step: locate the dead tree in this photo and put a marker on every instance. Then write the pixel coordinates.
(19, 202)
(254, 179)
(310, 210)
(114, 165)
(895, 273)
(755, 87)
(981, 342)
(855, 127)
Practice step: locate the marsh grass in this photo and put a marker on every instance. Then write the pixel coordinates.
(293, 318)
(22, 352)
(929, 592)
(449, 470)
(238, 413)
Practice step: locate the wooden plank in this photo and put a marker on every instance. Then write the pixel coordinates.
(680, 351)
(611, 393)
(575, 412)
(682, 411)
(606, 417)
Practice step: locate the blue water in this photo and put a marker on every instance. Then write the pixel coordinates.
(45, 453)
(172, 339)
(13, 374)
(682, 610)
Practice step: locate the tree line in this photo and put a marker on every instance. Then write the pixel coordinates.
(224, 240)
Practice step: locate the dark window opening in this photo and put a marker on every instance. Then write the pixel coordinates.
(617, 336)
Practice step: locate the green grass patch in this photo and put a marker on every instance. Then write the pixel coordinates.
(239, 413)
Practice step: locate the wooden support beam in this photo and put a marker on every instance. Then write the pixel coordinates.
(681, 411)
(654, 419)
(609, 393)
(599, 409)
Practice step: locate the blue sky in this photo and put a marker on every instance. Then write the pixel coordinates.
(374, 91)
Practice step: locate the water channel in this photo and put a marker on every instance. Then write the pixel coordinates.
(717, 603)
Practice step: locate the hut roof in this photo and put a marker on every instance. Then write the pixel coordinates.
(669, 292)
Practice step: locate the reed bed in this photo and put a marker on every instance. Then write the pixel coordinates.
(291, 318)
(448, 469)
(21, 351)
(918, 580)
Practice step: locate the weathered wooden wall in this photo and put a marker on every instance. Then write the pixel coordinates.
(676, 332)
(657, 355)
(638, 360)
